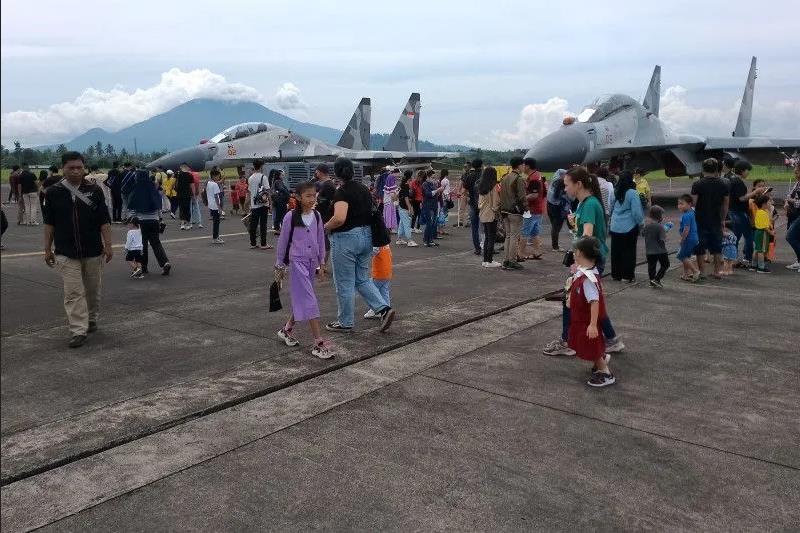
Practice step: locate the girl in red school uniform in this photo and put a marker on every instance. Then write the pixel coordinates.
(587, 305)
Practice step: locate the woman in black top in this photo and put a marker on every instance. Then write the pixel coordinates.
(351, 249)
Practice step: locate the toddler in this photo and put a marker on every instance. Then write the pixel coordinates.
(133, 248)
(689, 239)
(763, 230)
(730, 251)
(655, 243)
(381, 275)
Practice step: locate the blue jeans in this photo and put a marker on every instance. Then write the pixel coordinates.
(404, 225)
(429, 215)
(793, 237)
(196, 218)
(742, 228)
(384, 287)
(351, 257)
(475, 226)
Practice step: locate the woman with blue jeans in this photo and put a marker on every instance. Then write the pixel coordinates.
(405, 211)
(351, 250)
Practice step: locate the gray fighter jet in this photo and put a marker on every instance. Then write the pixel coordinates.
(617, 129)
(242, 143)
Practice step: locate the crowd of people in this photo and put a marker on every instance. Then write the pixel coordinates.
(343, 223)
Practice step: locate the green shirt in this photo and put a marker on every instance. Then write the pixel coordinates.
(590, 211)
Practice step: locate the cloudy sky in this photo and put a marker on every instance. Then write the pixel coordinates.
(496, 74)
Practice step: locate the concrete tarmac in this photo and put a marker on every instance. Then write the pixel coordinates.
(184, 411)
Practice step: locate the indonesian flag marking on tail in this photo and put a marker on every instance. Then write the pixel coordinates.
(410, 114)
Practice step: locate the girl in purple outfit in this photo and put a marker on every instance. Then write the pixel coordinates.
(302, 249)
(390, 189)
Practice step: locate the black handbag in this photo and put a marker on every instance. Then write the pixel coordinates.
(380, 235)
(274, 297)
(162, 226)
(569, 259)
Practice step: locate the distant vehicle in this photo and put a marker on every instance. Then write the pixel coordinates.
(239, 145)
(617, 129)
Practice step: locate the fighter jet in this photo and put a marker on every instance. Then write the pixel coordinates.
(617, 129)
(243, 143)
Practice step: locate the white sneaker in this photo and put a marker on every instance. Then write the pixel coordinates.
(200, 226)
(287, 338)
(794, 266)
(322, 351)
(412, 244)
(217, 241)
(484, 264)
(416, 230)
(495, 264)
(401, 242)
(614, 345)
(370, 315)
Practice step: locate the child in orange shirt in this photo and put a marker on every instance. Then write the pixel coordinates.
(381, 275)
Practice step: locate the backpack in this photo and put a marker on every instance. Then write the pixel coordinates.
(262, 195)
(380, 235)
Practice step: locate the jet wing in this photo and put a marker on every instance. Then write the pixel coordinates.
(750, 143)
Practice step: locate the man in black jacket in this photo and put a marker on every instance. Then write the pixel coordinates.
(77, 222)
(469, 183)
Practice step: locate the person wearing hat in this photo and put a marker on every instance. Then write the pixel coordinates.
(171, 194)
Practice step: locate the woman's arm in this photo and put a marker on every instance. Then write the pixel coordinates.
(588, 229)
(339, 215)
(594, 309)
(636, 206)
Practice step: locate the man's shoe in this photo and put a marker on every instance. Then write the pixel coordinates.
(167, 268)
(77, 341)
(92, 326)
(794, 266)
(217, 241)
(387, 317)
(558, 347)
(336, 326)
(371, 315)
(614, 345)
(401, 242)
(764, 270)
(412, 244)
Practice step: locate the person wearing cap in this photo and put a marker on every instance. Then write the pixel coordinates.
(171, 193)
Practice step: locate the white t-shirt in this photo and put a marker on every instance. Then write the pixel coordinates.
(308, 218)
(134, 240)
(212, 189)
(446, 191)
(607, 192)
(254, 182)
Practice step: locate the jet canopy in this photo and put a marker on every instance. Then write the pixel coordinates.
(605, 106)
(240, 131)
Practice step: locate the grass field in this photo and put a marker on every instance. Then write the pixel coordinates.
(773, 174)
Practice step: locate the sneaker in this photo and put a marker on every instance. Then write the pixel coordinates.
(493, 264)
(478, 251)
(166, 269)
(171, 214)
(322, 351)
(92, 326)
(253, 247)
(387, 317)
(287, 338)
(217, 241)
(136, 272)
(600, 379)
(794, 266)
(655, 284)
(401, 242)
(140, 275)
(558, 347)
(183, 227)
(77, 341)
(266, 247)
(336, 326)
(371, 315)
(764, 270)
(606, 358)
(658, 283)
(200, 226)
(412, 244)
(614, 345)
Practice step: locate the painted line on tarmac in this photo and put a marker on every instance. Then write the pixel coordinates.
(118, 246)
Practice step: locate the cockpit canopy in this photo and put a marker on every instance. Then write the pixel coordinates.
(240, 131)
(604, 106)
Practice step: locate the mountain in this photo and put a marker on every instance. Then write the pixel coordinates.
(186, 124)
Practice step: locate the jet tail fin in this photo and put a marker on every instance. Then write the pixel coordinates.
(406, 131)
(356, 134)
(746, 109)
(652, 99)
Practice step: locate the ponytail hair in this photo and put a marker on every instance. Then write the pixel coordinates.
(579, 174)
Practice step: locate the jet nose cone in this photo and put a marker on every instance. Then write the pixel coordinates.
(196, 157)
(560, 149)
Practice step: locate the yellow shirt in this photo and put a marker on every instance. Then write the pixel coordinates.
(169, 186)
(761, 220)
(642, 187)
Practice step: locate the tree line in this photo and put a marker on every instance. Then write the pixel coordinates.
(96, 154)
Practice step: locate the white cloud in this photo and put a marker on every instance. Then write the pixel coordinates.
(117, 108)
(535, 121)
(288, 97)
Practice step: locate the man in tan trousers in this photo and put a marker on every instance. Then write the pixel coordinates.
(77, 222)
(512, 205)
